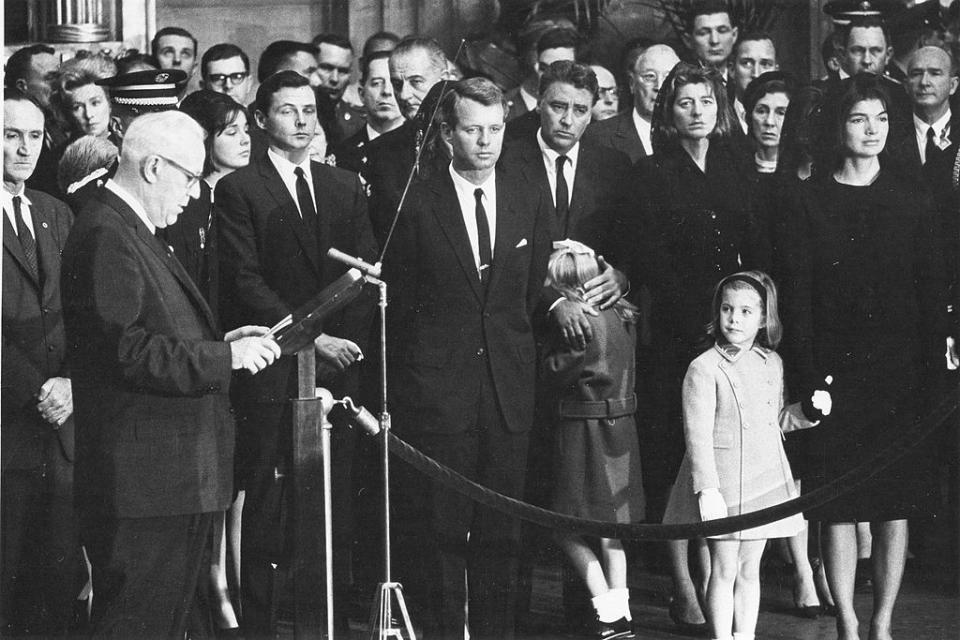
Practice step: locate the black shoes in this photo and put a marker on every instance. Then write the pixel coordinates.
(622, 628)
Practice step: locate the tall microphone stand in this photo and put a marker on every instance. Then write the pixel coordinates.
(383, 624)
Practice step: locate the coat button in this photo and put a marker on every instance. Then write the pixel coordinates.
(480, 351)
(50, 347)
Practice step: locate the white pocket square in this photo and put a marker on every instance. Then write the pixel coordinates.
(522, 243)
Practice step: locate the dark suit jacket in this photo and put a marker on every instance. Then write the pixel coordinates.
(598, 203)
(271, 264)
(34, 345)
(193, 238)
(151, 373)
(390, 159)
(351, 154)
(516, 107)
(444, 328)
(618, 133)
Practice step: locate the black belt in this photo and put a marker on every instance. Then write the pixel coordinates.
(613, 408)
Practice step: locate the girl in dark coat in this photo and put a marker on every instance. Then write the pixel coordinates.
(864, 302)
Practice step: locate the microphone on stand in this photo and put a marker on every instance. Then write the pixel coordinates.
(354, 263)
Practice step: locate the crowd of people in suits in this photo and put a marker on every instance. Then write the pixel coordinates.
(574, 289)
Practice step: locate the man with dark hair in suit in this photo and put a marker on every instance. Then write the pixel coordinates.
(33, 70)
(416, 66)
(629, 132)
(582, 180)
(560, 43)
(340, 118)
(225, 68)
(710, 33)
(151, 373)
(467, 267)
(382, 113)
(41, 568)
(278, 217)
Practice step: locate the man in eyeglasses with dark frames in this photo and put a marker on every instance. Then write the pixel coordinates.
(225, 68)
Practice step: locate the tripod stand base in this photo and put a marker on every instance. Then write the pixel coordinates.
(383, 625)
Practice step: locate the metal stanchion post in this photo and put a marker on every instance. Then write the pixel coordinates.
(382, 622)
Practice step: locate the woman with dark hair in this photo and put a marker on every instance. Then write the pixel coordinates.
(698, 225)
(193, 239)
(865, 307)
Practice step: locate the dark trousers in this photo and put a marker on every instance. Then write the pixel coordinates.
(146, 576)
(268, 512)
(444, 537)
(42, 570)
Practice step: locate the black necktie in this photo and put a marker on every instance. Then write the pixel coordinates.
(563, 194)
(26, 240)
(483, 238)
(932, 149)
(307, 209)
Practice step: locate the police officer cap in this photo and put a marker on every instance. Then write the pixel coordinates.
(153, 88)
(847, 11)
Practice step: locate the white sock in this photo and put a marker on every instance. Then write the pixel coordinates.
(605, 605)
(623, 602)
(742, 636)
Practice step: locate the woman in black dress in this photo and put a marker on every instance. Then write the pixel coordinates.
(696, 226)
(865, 305)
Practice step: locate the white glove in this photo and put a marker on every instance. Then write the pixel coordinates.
(712, 505)
(822, 401)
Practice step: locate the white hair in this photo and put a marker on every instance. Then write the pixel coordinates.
(167, 133)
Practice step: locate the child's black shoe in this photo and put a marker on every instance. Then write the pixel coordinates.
(622, 628)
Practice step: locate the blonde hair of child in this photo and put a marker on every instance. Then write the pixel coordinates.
(569, 269)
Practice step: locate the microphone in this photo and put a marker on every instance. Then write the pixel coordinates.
(356, 263)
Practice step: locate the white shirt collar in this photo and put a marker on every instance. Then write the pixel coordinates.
(372, 134)
(462, 184)
(286, 167)
(552, 155)
(24, 210)
(940, 127)
(468, 207)
(131, 202)
(643, 128)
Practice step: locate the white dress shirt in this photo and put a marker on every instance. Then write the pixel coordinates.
(24, 209)
(941, 130)
(550, 164)
(643, 128)
(286, 170)
(372, 134)
(468, 210)
(132, 202)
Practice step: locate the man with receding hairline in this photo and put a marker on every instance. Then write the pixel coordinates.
(152, 370)
(629, 132)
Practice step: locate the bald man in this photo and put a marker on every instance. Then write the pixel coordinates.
(151, 371)
(629, 132)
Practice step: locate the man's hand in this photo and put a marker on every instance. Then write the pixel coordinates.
(606, 288)
(246, 331)
(55, 400)
(572, 321)
(250, 350)
(335, 354)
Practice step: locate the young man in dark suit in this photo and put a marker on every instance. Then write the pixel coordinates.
(151, 371)
(466, 268)
(41, 569)
(278, 217)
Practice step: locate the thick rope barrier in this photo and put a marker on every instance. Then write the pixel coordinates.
(880, 458)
